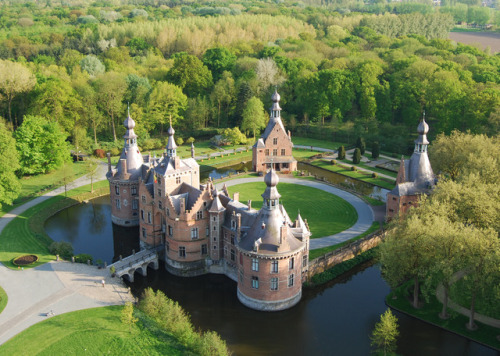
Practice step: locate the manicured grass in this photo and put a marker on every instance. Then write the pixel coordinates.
(462, 296)
(3, 299)
(324, 250)
(304, 141)
(429, 313)
(26, 234)
(374, 169)
(96, 331)
(301, 154)
(227, 160)
(354, 174)
(33, 186)
(326, 213)
(372, 201)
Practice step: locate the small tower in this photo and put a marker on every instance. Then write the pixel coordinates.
(192, 149)
(171, 146)
(216, 216)
(124, 179)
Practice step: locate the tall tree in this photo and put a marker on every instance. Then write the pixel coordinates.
(385, 333)
(9, 164)
(14, 79)
(223, 96)
(189, 73)
(110, 88)
(254, 116)
(219, 60)
(90, 113)
(166, 100)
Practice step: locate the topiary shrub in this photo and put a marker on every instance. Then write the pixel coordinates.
(356, 157)
(179, 141)
(61, 248)
(353, 168)
(341, 153)
(83, 258)
(360, 143)
(190, 140)
(374, 175)
(115, 151)
(375, 150)
(333, 162)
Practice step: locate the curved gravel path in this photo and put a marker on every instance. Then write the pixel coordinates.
(365, 213)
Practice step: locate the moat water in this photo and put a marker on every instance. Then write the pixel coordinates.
(334, 319)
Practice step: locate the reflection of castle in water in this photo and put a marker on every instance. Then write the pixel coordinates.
(125, 241)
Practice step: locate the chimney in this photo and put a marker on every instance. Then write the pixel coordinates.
(238, 227)
(283, 232)
(289, 134)
(249, 204)
(182, 206)
(177, 162)
(236, 197)
(109, 161)
(123, 166)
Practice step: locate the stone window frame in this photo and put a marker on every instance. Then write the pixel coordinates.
(255, 282)
(135, 205)
(291, 263)
(275, 151)
(283, 152)
(255, 264)
(291, 280)
(204, 249)
(182, 252)
(143, 199)
(199, 215)
(233, 255)
(194, 233)
(275, 141)
(170, 230)
(177, 180)
(149, 217)
(117, 189)
(304, 261)
(160, 205)
(133, 190)
(159, 192)
(274, 283)
(144, 234)
(266, 152)
(118, 204)
(274, 266)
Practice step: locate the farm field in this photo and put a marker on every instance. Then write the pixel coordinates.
(483, 39)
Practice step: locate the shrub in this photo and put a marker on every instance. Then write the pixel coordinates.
(333, 162)
(62, 248)
(353, 168)
(83, 258)
(190, 140)
(115, 151)
(210, 343)
(99, 153)
(374, 175)
(375, 150)
(341, 153)
(151, 143)
(356, 157)
(360, 143)
(179, 141)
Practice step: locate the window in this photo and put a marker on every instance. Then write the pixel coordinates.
(233, 224)
(274, 267)
(194, 233)
(255, 264)
(304, 261)
(255, 282)
(291, 262)
(274, 283)
(232, 239)
(199, 215)
(167, 246)
(275, 152)
(224, 253)
(133, 189)
(142, 215)
(168, 212)
(170, 230)
(160, 205)
(144, 232)
(118, 204)
(267, 152)
(143, 198)
(204, 249)
(283, 152)
(241, 276)
(233, 256)
(182, 252)
(207, 231)
(149, 217)
(117, 190)
(290, 280)
(275, 141)
(135, 205)
(159, 192)
(177, 180)
(159, 179)
(394, 199)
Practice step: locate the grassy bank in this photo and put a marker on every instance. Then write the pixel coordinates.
(26, 234)
(327, 214)
(96, 331)
(3, 299)
(399, 299)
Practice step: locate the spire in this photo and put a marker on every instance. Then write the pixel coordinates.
(271, 195)
(192, 149)
(421, 142)
(130, 150)
(275, 108)
(171, 146)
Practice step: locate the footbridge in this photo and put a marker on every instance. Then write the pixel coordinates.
(137, 262)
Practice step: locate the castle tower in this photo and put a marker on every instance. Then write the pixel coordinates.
(273, 255)
(274, 148)
(216, 213)
(124, 179)
(415, 177)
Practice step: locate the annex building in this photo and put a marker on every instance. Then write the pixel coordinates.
(415, 177)
(274, 147)
(203, 230)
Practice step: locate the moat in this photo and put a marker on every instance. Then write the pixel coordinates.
(336, 318)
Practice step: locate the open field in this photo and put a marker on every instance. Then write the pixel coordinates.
(481, 39)
(326, 214)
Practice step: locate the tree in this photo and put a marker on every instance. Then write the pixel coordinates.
(341, 153)
(385, 333)
(110, 88)
(375, 149)
(268, 73)
(92, 65)
(234, 136)
(166, 100)
(90, 113)
(14, 79)
(223, 96)
(360, 143)
(127, 316)
(9, 164)
(218, 60)
(92, 168)
(254, 116)
(189, 73)
(41, 145)
(356, 156)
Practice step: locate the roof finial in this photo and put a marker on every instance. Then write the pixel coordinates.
(128, 108)
(423, 115)
(170, 120)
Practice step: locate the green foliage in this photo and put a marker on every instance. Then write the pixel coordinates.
(179, 141)
(375, 150)
(190, 140)
(341, 153)
(92, 65)
(234, 136)
(333, 162)
(374, 175)
(356, 156)
(61, 248)
(83, 258)
(190, 74)
(385, 333)
(254, 116)
(9, 164)
(218, 60)
(41, 145)
(360, 143)
(127, 316)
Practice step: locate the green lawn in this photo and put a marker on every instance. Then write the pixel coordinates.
(326, 213)
(354, 174)
(321, 251)
(3, 299)
(304, 141)
(96, 331)
(26, 234)
(399, 299)
(33, 186)
(227, 160)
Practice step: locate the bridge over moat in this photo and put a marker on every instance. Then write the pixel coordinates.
(137, 262)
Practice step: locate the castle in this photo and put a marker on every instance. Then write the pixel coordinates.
(415, 177)
(202, 230)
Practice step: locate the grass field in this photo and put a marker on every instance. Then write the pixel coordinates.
(326, 213)
(96, 331)
(26, 235)
(3, 299)
(304, 141)
(33, 186)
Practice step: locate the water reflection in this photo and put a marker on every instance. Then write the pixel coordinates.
(218, 173)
